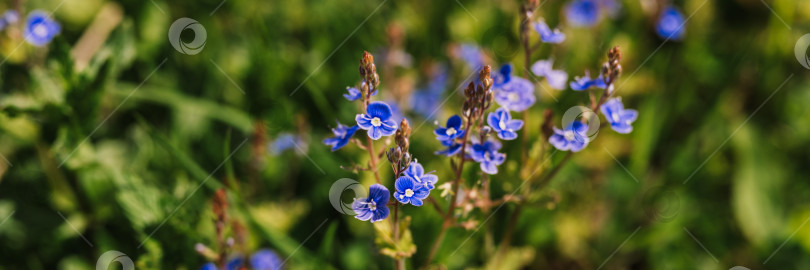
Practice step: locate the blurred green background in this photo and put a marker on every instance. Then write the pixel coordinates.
(126, 153)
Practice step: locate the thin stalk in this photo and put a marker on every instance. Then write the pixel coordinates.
(373, 161)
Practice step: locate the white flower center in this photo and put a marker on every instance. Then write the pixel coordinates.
(450, 131)
(502, 125)
(408, 193)
(372, 205)
(376, 122)
(615, 117)
(513, 97)
(569, 135)
(40, 30)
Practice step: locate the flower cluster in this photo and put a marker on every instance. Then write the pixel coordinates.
(574, 136)
(412, 184)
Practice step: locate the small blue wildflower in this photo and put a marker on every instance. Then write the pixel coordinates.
(8, 18)
(670, 24)
(471, 55)
(355, 94)
(377, 120)
(572, 138)
(410, 191)
(235, 264)
(620, 119)
(209, 266)
(287, 141)
(265, 259)
(342, 136)
(517, 95)
(503, 124)
(487, 155)
(451, 131)
(555, 78)
(546, 34)
(396, 112)
(374, 207)
(452, 148)
(425, 101)
(503, 76)
(40, 29)
(417, 172)
(582, 13)
(585, 82)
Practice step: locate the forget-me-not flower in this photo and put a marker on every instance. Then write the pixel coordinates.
(585, 82)
(546, 34)
(503, 124)
(265, 259)
(286, 141)
(377, 120)
(452, 148)
(342, 136)
(574, 137)
(40, 29)
(670, 24)
(486, 153)
(512, 92)
(583, 13)
(374, 207)
(417, 172)
(555, 78)
(425, 101)
(451, 131)
(620, 119)
(410, 191)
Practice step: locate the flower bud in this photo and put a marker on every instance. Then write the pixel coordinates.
(485, 77)
(548, 125)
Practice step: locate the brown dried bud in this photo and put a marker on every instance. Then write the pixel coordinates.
(470, 90)
(394, 154)
(466, 109)
(485, 77)
(405, 127)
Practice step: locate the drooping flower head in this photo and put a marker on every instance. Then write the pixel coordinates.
(585, 82)
(583, 13)
(40, 28)
(374, 207)
(417, 172)
(342, 136)
(620, 119)
(486, 153)
(451, 131)
(265, 259)
(410, 191)
(557, 79)
(671, 24)
(503, 124)
(574, 137)
(546, 34)
(512, 92)
(377, 120)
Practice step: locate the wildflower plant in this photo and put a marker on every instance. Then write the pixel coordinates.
(495, 112)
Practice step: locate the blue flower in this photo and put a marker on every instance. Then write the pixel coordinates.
(452, 130)
(452, 148)
(40, 29)
(286, 141)
(377, 120)
(555, 78)
(670, 24)
(342, 136)
(8, 18)
(583, 13)
(572, 138)
(487, 154)
(417, 172)
(235, 264)
(265, 259)
(585, 82)
(471, 55)
(410, 191)
(620, 119)
(513, 93)
(209, 266)
(546, 34)
(425, 101)
(355, 94)
(503, 125)
(374, 207)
